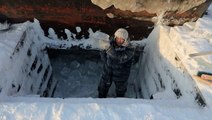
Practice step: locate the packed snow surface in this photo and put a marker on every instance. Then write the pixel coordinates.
(94, 109)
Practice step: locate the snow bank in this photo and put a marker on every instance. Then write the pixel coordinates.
(168, 69)
(195, 38)
(8, 43)
(96, 41)
(160, 73)
(24, 67)
(95, 109)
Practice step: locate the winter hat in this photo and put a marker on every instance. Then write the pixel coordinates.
(122, 33)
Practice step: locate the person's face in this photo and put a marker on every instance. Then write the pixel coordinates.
(119, 41)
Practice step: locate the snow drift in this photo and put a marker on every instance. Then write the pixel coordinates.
(24, 67)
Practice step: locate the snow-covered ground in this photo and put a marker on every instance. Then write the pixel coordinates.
(164, 44)
(95, 109)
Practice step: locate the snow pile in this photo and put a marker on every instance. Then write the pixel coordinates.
(8, 43)
(52, 34)
(24, 66)
(162, 76)
(194, 38)
(78, 29)
(96, 41)
(168, 67)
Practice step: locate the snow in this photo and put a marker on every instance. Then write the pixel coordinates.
(150, 5)
(8, 44)
(97, 40)
(209, 12)
(166, 53)
(20, 48)
(95, 109)
(78, 29)
(4, 26)
(69, 34)
(168, 49)
(52, 34)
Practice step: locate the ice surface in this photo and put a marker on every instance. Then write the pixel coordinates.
(79, 76)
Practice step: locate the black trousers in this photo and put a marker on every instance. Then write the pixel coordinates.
(105, 84)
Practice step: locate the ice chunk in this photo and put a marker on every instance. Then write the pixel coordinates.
(65, 71)
(101, 40)
(52, 34)
(69, 34)
(74, 65)
(4, 26)
(78, 29)
(90, 31)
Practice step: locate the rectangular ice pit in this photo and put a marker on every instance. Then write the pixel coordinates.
(39, 69)
(78, 72)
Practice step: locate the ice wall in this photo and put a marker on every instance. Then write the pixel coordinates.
(25, 67)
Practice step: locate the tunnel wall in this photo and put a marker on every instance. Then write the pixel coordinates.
(31, 72)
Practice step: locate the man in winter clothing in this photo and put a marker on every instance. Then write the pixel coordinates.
(117, 63)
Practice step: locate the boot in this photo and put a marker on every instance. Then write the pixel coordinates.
(120, 95)
(102, 95)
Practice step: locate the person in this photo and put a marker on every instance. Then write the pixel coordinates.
(117, 59)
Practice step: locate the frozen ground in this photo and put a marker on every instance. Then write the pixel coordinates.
(194, 37)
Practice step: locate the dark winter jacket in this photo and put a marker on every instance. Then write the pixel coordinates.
(117, 62)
